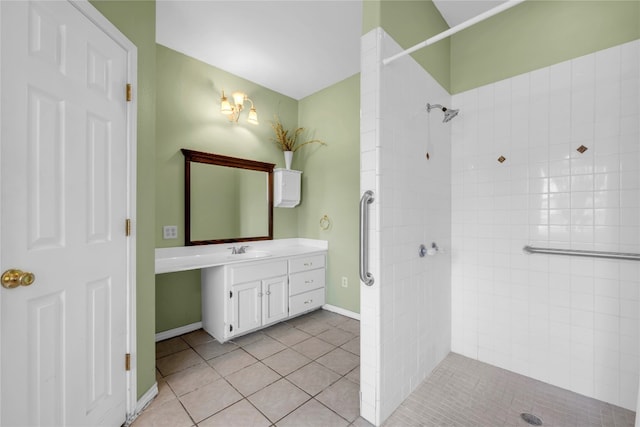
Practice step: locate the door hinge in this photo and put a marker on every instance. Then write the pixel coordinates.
(127, 361)
(127, 227)
(230, 294)
(129, 89)
(230, 328)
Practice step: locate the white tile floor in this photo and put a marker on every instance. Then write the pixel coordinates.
(305, 372)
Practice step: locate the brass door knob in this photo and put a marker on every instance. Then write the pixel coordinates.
(14, 278)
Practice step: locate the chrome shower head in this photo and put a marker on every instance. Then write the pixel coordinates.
(448, 114)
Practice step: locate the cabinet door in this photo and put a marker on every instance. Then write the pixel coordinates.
(246, 309)
(275, 300)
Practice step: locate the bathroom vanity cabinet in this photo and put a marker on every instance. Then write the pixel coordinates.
(244, 297)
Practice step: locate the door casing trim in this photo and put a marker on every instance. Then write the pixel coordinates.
(89, 11)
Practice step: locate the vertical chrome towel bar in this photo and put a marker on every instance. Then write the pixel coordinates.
(365, 275)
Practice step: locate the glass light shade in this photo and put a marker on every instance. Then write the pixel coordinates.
(253, 116)
(238, 99)
(225, 107)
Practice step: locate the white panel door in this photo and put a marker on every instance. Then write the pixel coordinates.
(275, 300)
(245, 302)
(64, 191)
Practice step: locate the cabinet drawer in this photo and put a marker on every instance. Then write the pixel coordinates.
(306, 301)
(306, 263)
(259, 271)
(306, 281)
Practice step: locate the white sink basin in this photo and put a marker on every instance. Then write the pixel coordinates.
(249, 255)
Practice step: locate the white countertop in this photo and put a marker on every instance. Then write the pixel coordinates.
(183, 258)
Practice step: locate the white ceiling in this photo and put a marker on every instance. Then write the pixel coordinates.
(294, 47)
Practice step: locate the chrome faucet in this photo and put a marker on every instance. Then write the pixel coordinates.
(238, 250)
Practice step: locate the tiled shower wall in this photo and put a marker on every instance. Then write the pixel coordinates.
(405, 315)
(569, 321)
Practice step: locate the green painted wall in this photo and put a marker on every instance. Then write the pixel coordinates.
(137, 20)
(537, 34)
(532, 35)
(188, 116)
(331, 184)
(410, 22)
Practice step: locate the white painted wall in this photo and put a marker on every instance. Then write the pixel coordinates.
(568, 321)
(405, 315)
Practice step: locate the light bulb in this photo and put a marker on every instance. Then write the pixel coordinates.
(225, 107)
(253, 116)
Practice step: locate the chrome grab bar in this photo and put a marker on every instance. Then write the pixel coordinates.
(591, 254)
(365, 276)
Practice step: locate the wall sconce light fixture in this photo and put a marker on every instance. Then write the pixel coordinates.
(233, 111)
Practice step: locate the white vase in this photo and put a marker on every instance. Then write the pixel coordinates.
(288, 156)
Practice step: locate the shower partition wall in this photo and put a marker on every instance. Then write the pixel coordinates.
(405, 314)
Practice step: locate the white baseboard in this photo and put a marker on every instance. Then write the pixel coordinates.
(144, 400)
(342, 311)
(165, 335)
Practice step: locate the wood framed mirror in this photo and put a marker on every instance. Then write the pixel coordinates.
(227, 199)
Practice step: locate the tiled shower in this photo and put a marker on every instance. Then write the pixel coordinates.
(569, 321)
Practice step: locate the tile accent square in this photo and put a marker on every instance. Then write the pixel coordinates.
(279, 399)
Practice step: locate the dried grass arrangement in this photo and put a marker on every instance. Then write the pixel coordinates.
(289, 141)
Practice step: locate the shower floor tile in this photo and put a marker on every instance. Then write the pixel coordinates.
(466, 392)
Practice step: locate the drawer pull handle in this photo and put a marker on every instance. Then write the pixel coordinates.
(308, 264)
(259, 294)
(309, 301)
(268, 292)
(308, 281)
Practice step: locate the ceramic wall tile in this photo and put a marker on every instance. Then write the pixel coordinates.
(551, 195)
